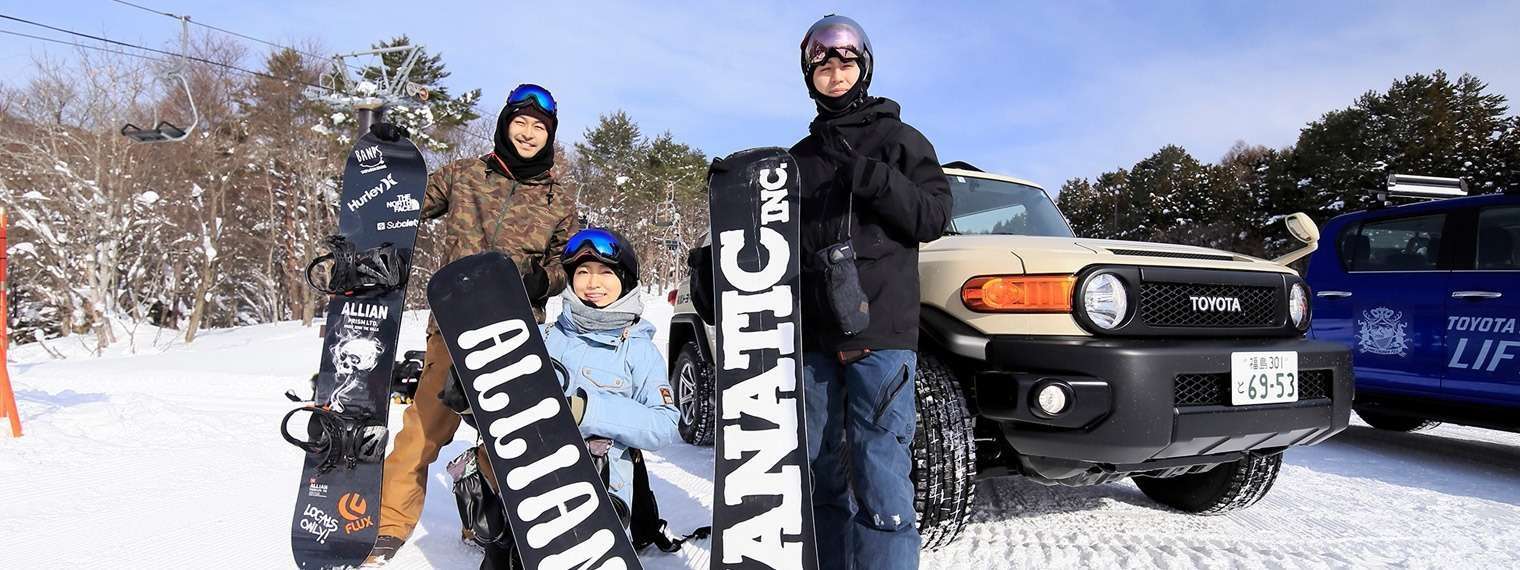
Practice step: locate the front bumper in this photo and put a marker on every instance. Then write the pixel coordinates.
(1125, 414)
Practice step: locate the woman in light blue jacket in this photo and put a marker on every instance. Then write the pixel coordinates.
(617, 384)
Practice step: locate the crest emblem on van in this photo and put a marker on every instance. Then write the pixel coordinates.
(1381, 331)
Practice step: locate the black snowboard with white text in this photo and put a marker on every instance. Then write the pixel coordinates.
(552, 494)
(762, 508)
(336, 517)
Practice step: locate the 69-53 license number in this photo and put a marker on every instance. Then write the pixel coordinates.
(1263, 377)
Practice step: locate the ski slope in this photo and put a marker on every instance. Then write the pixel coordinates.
(162, 455)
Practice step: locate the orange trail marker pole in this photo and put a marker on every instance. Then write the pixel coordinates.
(7, 396)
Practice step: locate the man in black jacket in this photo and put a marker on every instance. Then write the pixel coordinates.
(873, 184)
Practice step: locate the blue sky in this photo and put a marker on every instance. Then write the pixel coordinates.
(1045, 91)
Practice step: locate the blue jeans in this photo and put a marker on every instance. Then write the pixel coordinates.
(865, 409)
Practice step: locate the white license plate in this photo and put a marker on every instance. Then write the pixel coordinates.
(1263, 377)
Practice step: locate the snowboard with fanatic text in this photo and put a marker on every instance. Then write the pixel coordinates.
(762, 508)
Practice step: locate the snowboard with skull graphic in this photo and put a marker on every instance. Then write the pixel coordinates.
(336, 513)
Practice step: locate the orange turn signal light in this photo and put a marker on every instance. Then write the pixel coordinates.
(1019, 293)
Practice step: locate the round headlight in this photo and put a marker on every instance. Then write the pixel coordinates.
(1104, 300)
(1298, 305)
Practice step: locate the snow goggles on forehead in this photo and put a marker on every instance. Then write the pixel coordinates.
(838, 40)
(595, 242)
(530, 94)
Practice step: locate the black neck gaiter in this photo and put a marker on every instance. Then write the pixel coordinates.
(521, 168)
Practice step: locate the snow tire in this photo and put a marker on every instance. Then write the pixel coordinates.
(1227, 487)
(693, 384)
(1392, 422)
(944, 455)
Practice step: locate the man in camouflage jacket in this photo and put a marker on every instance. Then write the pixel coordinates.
(503, 202)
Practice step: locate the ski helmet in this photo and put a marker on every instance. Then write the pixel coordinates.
(606, 246)
(842, 37)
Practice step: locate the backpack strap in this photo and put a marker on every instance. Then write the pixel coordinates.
(647, 527)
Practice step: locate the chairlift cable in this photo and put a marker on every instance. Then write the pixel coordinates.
(169, 53)
(85, 46)
(236, 34)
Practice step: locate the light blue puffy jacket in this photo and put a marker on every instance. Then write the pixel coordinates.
(628, 398)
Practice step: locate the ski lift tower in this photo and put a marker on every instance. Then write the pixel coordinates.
(370, 98)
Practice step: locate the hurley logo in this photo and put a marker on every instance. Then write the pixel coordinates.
(385, 184)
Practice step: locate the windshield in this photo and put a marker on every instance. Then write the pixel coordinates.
(995, 207)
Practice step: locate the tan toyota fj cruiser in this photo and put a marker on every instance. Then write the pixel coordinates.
(1078, 361)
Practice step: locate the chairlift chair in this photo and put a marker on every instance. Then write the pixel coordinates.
(165, 131)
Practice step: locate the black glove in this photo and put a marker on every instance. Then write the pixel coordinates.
(389, 132)
(536, 281)
(699, 271)
(832, 145)
(851, 169)
(452, 395)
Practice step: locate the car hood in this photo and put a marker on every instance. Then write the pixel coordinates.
(1068, 255)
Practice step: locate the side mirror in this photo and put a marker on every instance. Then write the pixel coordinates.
(1302, 228)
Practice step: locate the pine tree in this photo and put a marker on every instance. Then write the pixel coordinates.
(1424, 124)
(654, 189)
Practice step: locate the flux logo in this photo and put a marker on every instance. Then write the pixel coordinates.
(352, 507)
(1216, 304)
(370, 159)
(385, 184)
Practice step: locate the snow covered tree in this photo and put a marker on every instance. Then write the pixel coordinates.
(437, 111)
(1424, 124)
(652, 188)
(296, 168)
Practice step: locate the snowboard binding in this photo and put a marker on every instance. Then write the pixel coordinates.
(353, 272)
(345, 438)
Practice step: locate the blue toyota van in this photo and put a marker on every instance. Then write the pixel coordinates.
(1427, 296)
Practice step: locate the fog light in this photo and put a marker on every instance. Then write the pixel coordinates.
(1052, 399)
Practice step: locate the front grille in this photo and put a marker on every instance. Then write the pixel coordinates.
(1171, 305)
(1201, 389)
(1214, 389)
(1314, 384)
(1171, 254)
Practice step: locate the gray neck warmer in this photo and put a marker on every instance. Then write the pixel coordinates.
(622, 313)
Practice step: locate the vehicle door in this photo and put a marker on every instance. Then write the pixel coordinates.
(1399, 290)
(1483, 305)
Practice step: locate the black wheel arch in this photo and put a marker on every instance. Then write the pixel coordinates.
(686, 328)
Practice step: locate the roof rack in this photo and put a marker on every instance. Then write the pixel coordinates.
(1420, 188)
(961, 165)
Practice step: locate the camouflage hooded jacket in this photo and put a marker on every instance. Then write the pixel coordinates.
(529, 220)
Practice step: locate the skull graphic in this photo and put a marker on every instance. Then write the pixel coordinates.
(357, 355)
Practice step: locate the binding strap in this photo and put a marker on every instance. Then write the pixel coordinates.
(353, 272)
(344, 438)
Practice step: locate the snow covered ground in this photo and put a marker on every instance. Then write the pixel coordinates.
(161, 455)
